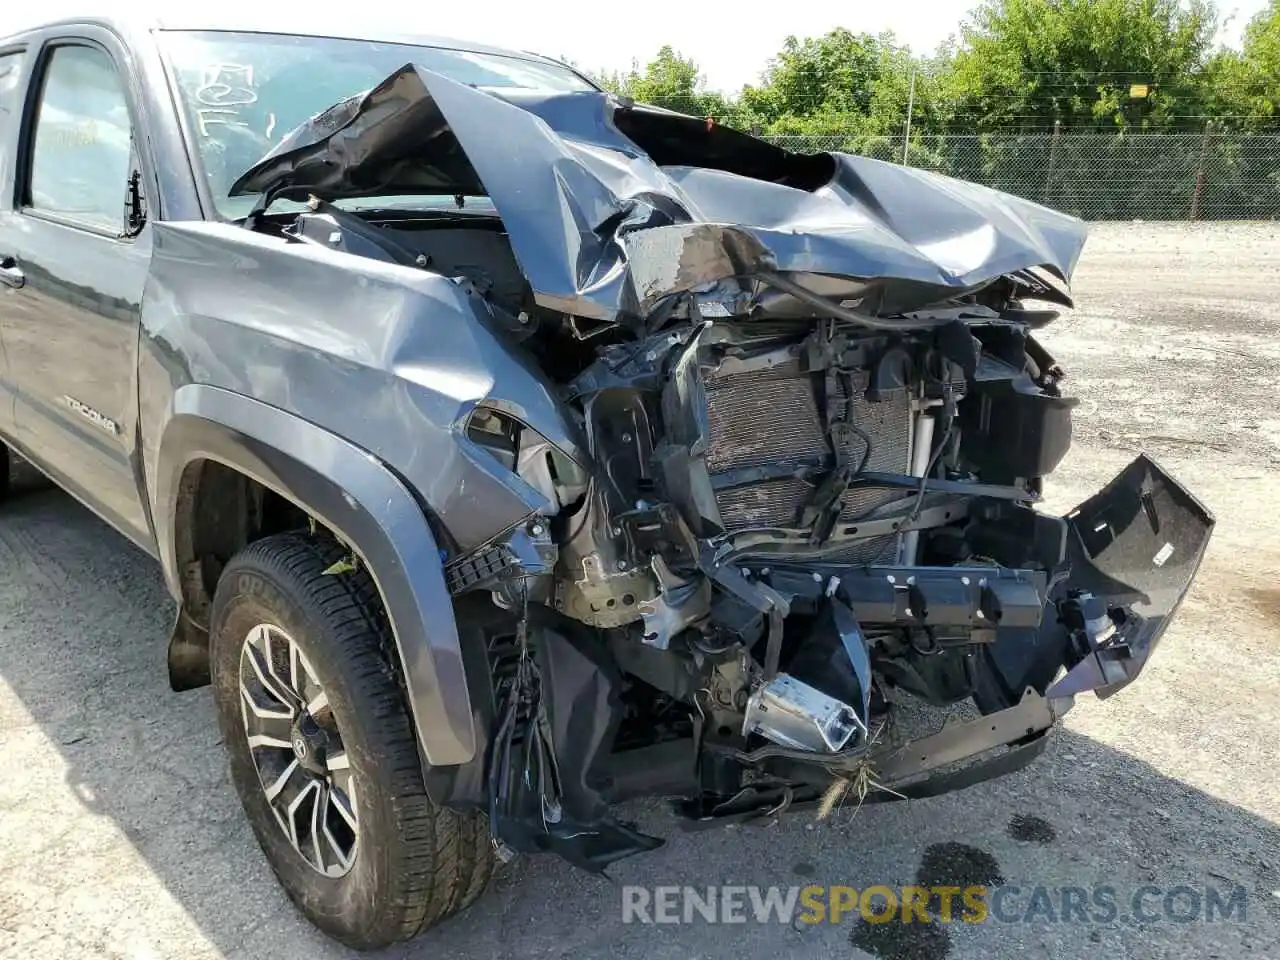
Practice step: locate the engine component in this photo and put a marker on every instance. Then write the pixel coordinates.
(759, 419)
(921, 458)
(1013, 428)
(680, 604)
(605, 598)
(749, 437)
(794, 714)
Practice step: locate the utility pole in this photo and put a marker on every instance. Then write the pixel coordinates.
(911, 102)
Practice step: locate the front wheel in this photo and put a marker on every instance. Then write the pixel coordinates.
(323, 752)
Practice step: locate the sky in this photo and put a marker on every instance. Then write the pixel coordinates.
(731, 51)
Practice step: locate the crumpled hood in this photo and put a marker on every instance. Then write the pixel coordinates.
(611, 207)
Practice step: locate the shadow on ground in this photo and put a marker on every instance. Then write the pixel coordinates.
(84, 619)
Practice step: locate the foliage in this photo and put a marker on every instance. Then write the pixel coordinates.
(854, 81)
(669, 80)
(1025, 64)
(1246, 84)
(1019, 65)
(1035, 97)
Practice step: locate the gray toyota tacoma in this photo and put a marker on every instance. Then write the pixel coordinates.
(512, 449)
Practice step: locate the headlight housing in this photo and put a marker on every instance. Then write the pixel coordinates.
(529, 455)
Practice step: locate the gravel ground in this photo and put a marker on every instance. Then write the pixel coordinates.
(120, 836)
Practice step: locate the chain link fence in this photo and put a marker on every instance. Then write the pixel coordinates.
(1211, 175)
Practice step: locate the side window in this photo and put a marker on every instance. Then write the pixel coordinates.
(80, 155)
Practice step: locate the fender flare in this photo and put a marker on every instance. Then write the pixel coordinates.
(360, 499)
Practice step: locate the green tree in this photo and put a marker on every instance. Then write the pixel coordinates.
(1024, 64)
(1247, 82)
(840, 81)
(672, 81)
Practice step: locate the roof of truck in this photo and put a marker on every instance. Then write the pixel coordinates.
(348, 28)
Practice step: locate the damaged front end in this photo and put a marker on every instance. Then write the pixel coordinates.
(815, 422)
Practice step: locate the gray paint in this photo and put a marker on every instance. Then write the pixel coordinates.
(392, 357)
(354, 495)
(328, 346)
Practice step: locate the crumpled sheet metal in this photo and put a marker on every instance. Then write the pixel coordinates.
(602, 231)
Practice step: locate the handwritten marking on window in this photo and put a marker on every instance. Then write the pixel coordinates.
(227, 85)
(207, 117)
(224, 87)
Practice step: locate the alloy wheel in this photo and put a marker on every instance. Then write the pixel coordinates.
(297, 750)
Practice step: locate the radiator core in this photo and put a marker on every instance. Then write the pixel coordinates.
(763, 417)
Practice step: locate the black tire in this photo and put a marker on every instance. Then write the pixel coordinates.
(415, 863)
(476, 861)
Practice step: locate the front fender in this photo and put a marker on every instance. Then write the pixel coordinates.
(359, 498)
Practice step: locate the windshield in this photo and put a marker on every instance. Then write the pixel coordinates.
(243, 92)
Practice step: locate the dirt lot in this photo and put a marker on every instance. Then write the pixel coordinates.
(120, 836)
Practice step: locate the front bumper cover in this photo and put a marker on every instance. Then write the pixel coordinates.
(1132, 550)
(1136, 546)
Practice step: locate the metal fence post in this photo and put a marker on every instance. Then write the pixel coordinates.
(1204, 155)
(911, 103)
(1053, 158)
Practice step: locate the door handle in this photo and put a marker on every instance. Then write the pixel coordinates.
(10, 273)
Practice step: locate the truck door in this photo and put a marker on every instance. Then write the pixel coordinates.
(77, 260)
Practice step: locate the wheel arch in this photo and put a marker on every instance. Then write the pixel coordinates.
(216, 436)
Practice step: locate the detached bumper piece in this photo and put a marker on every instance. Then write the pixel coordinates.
(1125, 558)
(1134, 548)
(1132, 551)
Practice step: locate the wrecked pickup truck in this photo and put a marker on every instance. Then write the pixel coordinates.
(512, 449)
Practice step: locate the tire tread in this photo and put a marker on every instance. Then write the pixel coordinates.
(443, 859)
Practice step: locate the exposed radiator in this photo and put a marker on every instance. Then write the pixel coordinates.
(763, 417)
